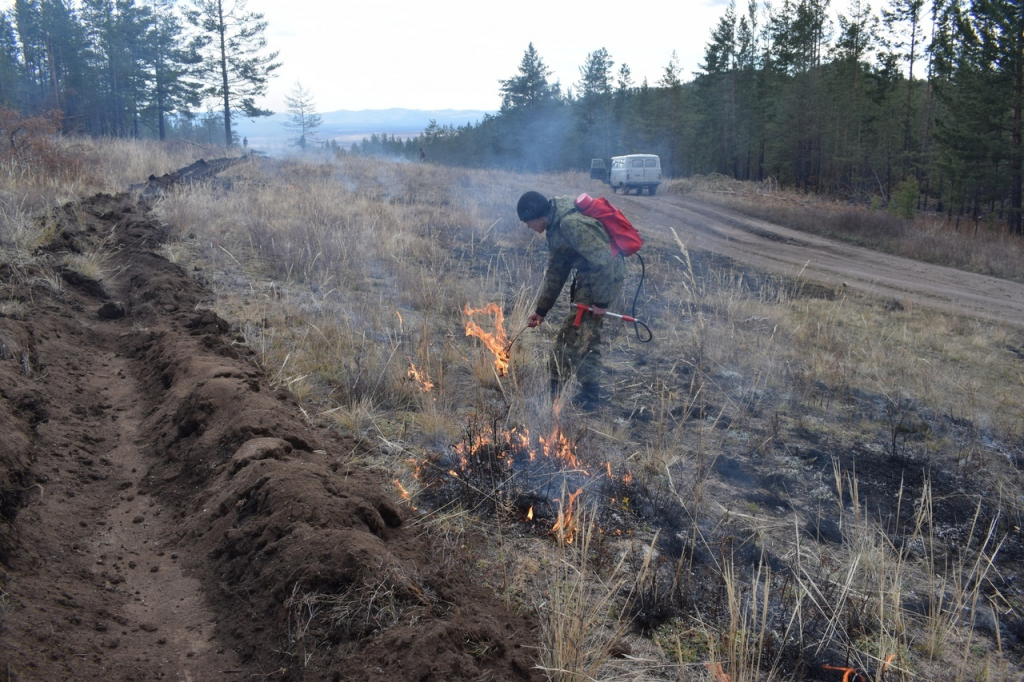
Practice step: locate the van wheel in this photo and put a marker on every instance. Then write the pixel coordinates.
(652, 189)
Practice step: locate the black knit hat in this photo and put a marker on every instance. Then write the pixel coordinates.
(532, 205)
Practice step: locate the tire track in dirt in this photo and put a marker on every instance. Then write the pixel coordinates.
(775, 248)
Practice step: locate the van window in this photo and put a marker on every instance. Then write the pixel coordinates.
(651, 163)
(618, 164)
(638, 163)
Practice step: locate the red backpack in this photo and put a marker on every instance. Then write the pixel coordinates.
(625, 239)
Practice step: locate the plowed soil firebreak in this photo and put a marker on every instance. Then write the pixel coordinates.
(165, 514)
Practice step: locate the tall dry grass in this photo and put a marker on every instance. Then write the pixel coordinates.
(42, 170)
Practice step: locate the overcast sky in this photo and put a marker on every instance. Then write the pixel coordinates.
(450, 54)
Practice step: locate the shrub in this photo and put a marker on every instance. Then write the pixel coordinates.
(29, 145)
(903, 199)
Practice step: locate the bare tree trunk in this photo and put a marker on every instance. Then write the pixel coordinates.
(1017, 152)
(222, 28)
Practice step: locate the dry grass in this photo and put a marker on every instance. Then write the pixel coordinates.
(47, 171)
(100, 165)
(770, 404)
(585, 613)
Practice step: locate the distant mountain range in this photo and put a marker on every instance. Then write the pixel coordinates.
(346, 127)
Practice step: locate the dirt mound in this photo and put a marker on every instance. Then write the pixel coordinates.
(165, 513)
(197, 172)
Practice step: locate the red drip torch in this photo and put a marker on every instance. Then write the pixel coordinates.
(584, 308)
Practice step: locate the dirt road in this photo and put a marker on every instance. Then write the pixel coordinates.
(774, 248)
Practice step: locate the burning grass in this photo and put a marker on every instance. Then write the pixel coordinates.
(749, 505)
(496, 342)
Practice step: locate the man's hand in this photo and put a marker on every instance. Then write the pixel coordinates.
(597, 312)
(534, 320)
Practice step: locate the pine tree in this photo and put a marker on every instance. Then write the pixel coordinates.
(903, 20)
(302, 116)
(848, 97)
(65, 53)
(30, 33)
(173, 60)
(119, 33)
(11, 92)
(717, 92)
(670, 113)
(979, 63)
(529, 89)
(593, 110)
(237, 67)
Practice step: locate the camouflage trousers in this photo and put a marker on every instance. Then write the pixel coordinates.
(577, 350)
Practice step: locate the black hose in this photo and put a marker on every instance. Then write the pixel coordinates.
(637, 323)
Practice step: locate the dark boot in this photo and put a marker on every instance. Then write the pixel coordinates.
(590, 397)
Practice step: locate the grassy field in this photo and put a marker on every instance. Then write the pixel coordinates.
(789, 480)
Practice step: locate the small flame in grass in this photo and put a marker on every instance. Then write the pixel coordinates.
(849, 674)
(401, 489)
(497, 342)
(853, 675)
(420, 378)
(565, 527)
(557, 446)
(716, 670)
(529, 514)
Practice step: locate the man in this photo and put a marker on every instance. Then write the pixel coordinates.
(575, 242)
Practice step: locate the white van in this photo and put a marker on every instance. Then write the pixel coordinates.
(635, 171)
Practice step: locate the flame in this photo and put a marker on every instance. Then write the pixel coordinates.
(529, 514)
(850, 674)
(497, 342)
(557, 446)
(420, 378)
(628, 478)
(401, 489)
(565, 527)
(519, 441)
(467, 449)
(717, 671)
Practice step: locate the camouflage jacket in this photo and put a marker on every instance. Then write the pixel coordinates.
(578, 242)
